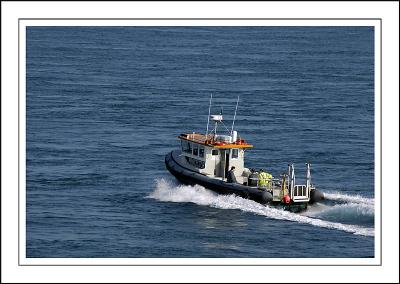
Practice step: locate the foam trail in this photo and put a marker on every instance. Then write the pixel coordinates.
(337, 196)
(167, 191)
(343, 213)
(345, 208)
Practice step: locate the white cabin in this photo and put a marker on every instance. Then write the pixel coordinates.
(213, 155)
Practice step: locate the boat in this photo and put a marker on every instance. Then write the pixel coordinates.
(207, 159)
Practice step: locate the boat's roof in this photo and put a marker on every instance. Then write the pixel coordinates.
(209, 141)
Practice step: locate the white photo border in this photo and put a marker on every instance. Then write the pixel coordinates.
(30, 22)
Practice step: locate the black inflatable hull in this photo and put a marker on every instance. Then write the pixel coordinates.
(187, 176)
(316, 196)
(190, 177)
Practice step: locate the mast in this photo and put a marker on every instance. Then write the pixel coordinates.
(234, 117)
(308, 176)
(208, 119)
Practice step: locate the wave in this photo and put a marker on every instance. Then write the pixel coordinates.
(337, 196)
(169, 191)
(344, 208)
(348, 213)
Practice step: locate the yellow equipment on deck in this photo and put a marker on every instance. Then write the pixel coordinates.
(264, 179)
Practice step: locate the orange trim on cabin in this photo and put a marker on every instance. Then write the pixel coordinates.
(201, 139)
(236, 146)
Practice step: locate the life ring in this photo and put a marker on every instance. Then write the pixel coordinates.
(219, 143)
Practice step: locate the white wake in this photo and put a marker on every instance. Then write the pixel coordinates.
(337, 196)
(168, 191)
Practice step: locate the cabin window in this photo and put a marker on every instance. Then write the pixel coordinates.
(214, 152)
(195, 150)
(201, 152)
(186, 147)
(196, 163)
(189, 149)
(235, 153)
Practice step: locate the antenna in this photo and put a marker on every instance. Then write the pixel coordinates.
(234, 117)
(308, 175)
(208, 120)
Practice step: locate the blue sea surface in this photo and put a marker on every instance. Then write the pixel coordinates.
(104, 105)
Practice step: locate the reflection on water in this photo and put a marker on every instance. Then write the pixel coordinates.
(221, 221)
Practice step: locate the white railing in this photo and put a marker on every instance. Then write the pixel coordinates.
(301, 193)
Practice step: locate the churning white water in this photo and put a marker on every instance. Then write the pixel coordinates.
(169, 191)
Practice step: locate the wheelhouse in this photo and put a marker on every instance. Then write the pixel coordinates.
(213, 155)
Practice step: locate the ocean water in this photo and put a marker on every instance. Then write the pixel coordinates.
(106, 104)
